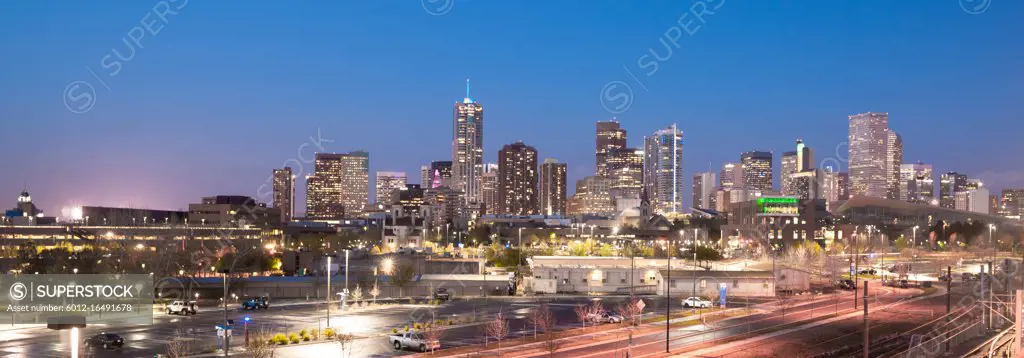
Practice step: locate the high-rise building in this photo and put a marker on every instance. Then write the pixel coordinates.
(843, 180)
(663, 170)
(1011, 203)
(411, 200)
(893, 160)
(974, 200)
(552, 187)
(339, 185)
(284, 193)
(757, 170)
(993, 204)
(625, 171)
(489, 188)
(949, 184)
(869, 143)
(610, 136)
(917, 183)
(426, 176)
(440, 174)
(704, 190)
(446, 205)
(388, 185)
(731, 176)
(592, 197)
(517, 180)
(468, 148)
(799, 160)
(807, 184)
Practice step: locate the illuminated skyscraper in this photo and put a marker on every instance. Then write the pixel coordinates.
(949, 184)
(794, 162)
(517, 180)
(609, 137)
(663, 170)
(757, 170)
(440, 174)
(339, 185)
(284, 193)
(426, 176)
(389, 184)
(731, 176)
(788, 164)
(704, 190)
(625, 168)
(869, 154)
(917, 183)
(489, 188)
(592, 197)
(552, 187)
(893, 161)
(467, 148)
(1011, 203)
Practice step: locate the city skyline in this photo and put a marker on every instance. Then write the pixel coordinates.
(173, 175)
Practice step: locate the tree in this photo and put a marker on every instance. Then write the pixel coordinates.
(402, 277)
(345, 343)
(374, 292)
(432, 332)
(631, 310)
(543, 320)
(260, 346)
(582, 313)
(606, 250)
(357, 294)
(497, 328)
(178, 347)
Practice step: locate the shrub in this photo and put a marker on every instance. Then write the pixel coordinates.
(315, 333)
(329, 333)
(417, 326)
(451, 322)
(394, 331)
(303, 332)
(412, 301)
(293, 338)
(279, 339)
(406, 328)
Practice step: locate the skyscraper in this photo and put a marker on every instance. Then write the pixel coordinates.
(389, 184)
(757, 170)
(625, 172)
(869, 143)
(517, 180)
(489, 188)
(949, 184)
(284, 193)
(609, 137)
(467, 148)
(788, 168)
(974, 200)
(426, 176)
(731, 176)
(893, 160)
(339, 185)
(704, 190)
(552, 187)
(592, 197)
(1011, 203)
(917, 183)
(440, 174)
(663, 170)
(843, 180)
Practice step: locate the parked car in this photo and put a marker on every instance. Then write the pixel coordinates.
(696, 302)
(255, 303)
(105, 340)
(182, 307)
(846, 284)
(904, 284)
(868, 272)
(412, 340)
(442, 294)
(605, 317)
(967, 276)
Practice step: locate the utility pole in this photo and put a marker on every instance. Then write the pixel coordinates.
(982, 277)
(227, 338)
(329, 290)
(991, 300)
(668, 292)
(867, 342)
(856, 269)
(949, 290)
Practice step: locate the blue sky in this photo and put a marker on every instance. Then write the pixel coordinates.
(219, 93)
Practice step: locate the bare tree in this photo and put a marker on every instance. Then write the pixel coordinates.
(543, 320)
(497, 328)
(260, 345)
(784, 302)
(630, 310)
(345, 343)
(374, 292)
(357, 294)
(178, 347)
(432, 332)
(582, 313)
(402, 277)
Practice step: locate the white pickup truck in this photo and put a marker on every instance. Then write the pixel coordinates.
(182, 307)
(412, 340)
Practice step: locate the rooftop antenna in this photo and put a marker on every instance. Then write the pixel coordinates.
(467, 88)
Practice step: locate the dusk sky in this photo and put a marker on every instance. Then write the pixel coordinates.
(226, 91)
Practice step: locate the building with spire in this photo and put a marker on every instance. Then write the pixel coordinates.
(663, 170)
(468, 148)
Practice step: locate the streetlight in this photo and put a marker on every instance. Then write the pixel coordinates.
(328, 291)
(668, 292)
(914, 236)
(519, 254)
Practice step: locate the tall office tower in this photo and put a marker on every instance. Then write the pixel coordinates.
(974, 200)
(440, 174)
(757, 170)
(468, 148)
(917, 183)
(869, 143)
(609, 137)
(808, 184)
(973, 184)
(339, 185)
(426, 176)
(388, 184)
(446, 205)
(704, 190)
(411, 200)
(663, 170)
(284, 193)
(993, 204)
(843, 180)
(893, 160)
(625, 171)
(829, 187)
(1011, 203)
(731, 176)
(789, 167)
(489, 188)
(517, 180)
(592, 197)
(552, 187)
(949, 184)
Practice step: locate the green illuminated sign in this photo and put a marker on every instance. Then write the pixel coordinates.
(788, 206)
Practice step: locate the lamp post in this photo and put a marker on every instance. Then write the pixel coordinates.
(668, 292)
(328, 291)
(914, 235)
(694, 291)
